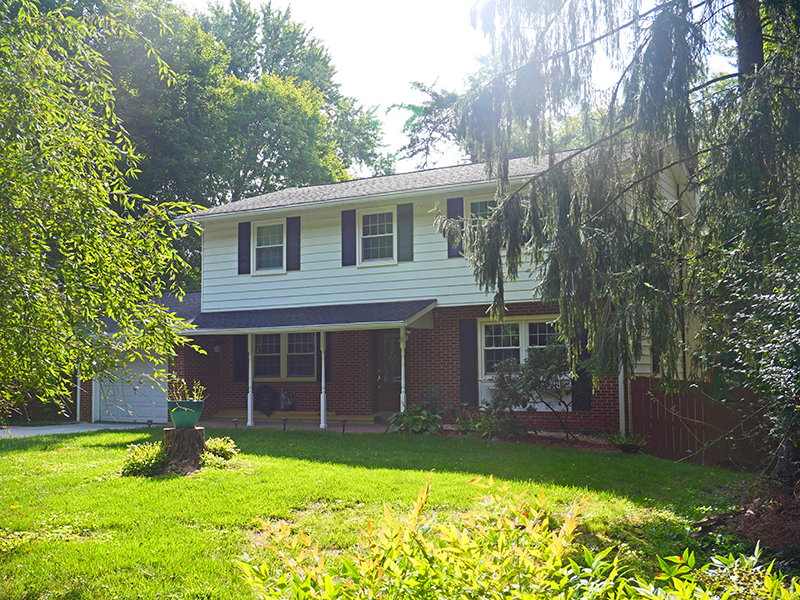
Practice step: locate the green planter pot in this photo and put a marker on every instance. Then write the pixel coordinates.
(185, 415)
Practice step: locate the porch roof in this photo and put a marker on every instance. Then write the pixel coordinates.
(341, 317)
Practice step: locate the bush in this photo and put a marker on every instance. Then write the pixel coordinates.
(505, 548)
(224, 447)
(415, 419)
(212, 461)
(144, 460)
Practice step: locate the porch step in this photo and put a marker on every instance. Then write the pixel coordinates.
(293, 416)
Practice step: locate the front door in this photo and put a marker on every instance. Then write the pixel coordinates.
(386, 346)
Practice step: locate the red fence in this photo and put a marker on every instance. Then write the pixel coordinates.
(691, 426)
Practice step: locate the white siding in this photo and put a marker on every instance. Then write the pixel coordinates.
(322, 278)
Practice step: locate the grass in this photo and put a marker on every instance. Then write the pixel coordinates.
(71, 527)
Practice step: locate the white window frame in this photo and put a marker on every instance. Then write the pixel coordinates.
(374, 262)
(473, 214)
(485, 380)
(254, 246)
(284, 374)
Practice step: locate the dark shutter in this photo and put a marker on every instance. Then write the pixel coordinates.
(582, 386)
(348, 237)
(582, 391)
(405, 232)
(455, 210)
(468, 361)
(293, 244)
(241, 366)
(244, 248)
(327, 358)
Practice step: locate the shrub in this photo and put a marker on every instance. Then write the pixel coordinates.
(505, 548)
(540, 382)
(415, 419)
(224, 447)
(144, 460)
(213, 461)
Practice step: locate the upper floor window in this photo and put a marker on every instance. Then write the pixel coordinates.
(377, 233)
(270, 247)
(285, 356)
(481, 210)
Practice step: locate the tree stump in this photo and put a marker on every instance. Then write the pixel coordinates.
(184, 446)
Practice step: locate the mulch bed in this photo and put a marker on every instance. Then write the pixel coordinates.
(769, 514)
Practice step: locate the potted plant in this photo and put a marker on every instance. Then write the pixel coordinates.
(628, 443)
(184, 405)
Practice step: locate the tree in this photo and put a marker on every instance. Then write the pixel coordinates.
(270, 43)
(205, 135)
(72, 255)
(624, 264)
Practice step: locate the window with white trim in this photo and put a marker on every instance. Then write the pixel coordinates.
(512, 338)
(377, 236)
(269, 247)
(285, 356)
(481, 209)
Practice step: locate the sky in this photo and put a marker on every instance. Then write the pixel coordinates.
(380, 47)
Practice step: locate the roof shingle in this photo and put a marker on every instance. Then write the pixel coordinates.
(375, 186)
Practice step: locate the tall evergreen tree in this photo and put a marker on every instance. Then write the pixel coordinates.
(625, 265)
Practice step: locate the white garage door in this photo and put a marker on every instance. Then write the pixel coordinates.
(133, 398)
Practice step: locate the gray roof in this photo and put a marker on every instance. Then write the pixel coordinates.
(186, 309)
(461, 175)
(377, 313)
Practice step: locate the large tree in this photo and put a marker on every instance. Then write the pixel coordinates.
(268, 42)
(210, 137)
(72, 256)
(624, 264)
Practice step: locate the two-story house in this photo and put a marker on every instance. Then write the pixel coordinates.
(345, 295)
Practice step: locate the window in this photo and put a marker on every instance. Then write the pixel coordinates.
(269, 247)
(268, 355)
(482, 209)
(541, 334)
(285, 356)
(377, 239)
(510, 339)
(500, 342)
(301, 355)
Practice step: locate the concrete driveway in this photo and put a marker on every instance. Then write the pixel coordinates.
(20, 432)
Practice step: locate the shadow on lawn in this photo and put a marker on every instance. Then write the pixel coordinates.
(644, 479)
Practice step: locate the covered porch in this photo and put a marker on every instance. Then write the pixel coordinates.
(343, 361)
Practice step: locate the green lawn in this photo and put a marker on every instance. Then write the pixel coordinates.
(71, 527)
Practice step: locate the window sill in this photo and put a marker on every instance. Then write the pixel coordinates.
(268, 272)
(280, 380)
(376, 263)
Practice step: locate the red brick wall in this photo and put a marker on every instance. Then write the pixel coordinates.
(432, 360)
(86, 401)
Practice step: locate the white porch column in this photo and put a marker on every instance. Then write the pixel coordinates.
(323, 400)
(403, 340)
(250, 366)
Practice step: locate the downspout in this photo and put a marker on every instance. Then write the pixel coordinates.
(323, 399)
(250, 359)
(621, 394)
(78, 396)
(403, 340)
